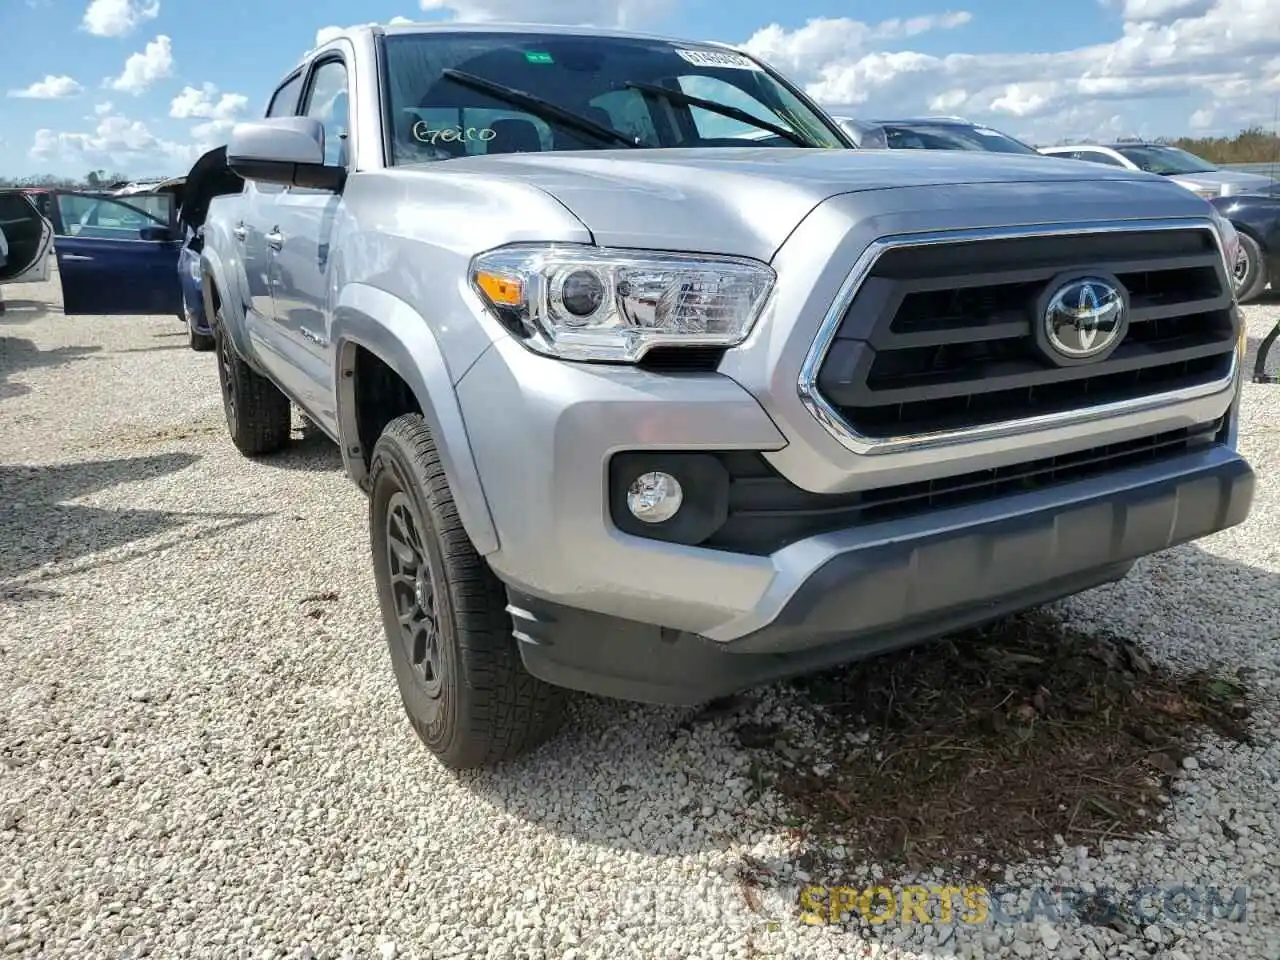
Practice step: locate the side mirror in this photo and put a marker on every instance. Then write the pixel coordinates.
(155, 233)
(285, 150)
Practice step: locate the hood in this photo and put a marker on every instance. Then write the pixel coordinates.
(209, 177)
(746, 201)
(1230, 182)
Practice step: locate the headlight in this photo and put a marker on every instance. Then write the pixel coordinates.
(1230, 242)
(589, 303)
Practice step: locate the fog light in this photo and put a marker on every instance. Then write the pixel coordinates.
(654, 497)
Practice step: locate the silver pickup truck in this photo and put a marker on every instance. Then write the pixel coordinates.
(660, 389)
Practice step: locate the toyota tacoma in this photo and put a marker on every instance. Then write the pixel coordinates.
(660, 389)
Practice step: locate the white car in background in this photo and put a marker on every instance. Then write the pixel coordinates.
(26, 240)
(1194, 173)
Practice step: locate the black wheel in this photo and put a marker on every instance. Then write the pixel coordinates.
(259, 416)
(1250, 272)
(463, 686)
(200, 342)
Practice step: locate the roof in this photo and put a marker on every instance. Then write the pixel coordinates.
(495, 26)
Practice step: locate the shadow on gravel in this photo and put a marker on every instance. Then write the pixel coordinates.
(18, 355)
(23, 311)
(309, 449)
(157, 347)
(38, 527)
(979, 749)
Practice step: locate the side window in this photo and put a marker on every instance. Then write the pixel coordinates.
(107, 219)
(710, 125)
(1097, 156)
(285, 101)
(328, 102)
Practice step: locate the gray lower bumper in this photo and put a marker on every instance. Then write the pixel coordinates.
(872, 590)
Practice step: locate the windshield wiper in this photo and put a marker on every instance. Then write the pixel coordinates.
(538, 107)
(733, 113)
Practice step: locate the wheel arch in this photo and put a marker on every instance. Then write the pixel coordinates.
(215, 293)
(400, 342)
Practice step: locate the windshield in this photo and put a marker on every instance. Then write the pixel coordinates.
(922, 136)
(1168, 161)
(437, 110)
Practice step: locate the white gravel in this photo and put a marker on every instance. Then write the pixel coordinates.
(202, 753)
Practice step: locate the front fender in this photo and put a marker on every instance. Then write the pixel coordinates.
(402, 339)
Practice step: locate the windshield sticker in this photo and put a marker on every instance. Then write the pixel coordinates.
(538, 56)
(717, 58)
(423, 133)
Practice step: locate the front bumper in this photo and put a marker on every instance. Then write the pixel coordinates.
(622, 615)
(869, 591)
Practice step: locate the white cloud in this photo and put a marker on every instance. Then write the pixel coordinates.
(325, 34)
(50, 88)
(205, 103)
(601, 13)
(143, 69)
(117, 141)
(118, 18)
(102, 109)
(1201, 119)
(1221, 56)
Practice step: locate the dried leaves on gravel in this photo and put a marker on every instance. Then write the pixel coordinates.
(984, 747)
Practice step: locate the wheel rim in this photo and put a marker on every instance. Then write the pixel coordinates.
(1241, 270)
(413, 594)
(224, 379)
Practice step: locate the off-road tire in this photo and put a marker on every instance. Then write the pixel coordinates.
(259, 416)
(488, 708)
(1255, 278)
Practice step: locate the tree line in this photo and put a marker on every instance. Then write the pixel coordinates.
(93, 180)
(1254, 145)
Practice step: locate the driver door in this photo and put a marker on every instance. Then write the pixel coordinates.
(118, 255)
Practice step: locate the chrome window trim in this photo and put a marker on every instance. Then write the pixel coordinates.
(826, 414)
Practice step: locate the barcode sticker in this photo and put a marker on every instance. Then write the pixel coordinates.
(717, 58)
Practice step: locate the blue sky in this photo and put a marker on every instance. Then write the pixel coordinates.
(141, 86)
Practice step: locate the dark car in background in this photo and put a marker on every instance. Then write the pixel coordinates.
(931, 133)
(1256, 218)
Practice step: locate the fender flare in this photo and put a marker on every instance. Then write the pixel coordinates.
(214, 276)
(403, 339)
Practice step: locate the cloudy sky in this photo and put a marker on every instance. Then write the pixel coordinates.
(141, 86)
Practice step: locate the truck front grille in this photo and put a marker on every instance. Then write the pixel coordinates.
(942, 336)
(766, 512)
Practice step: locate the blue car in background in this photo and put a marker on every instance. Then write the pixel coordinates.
(138, 251)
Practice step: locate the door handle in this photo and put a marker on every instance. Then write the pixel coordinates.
(240, 232)
(275, 239)
(75, 258)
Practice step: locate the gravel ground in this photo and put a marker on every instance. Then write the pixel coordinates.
(202, 752)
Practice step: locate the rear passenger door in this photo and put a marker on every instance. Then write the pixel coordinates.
(252, 233)
(307, 224)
